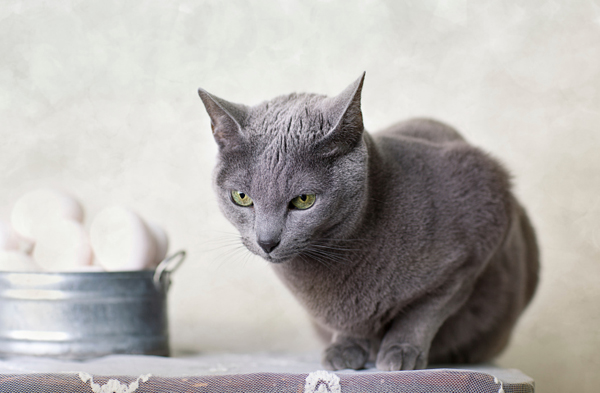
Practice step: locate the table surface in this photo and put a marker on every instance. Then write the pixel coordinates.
(213, 366)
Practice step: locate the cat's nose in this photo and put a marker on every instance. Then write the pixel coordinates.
(268, 245)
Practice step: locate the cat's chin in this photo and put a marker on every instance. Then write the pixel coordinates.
(275, 260)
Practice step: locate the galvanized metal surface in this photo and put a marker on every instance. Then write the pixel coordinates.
(86, 315)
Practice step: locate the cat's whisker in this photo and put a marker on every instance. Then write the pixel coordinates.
(226, 252)
(341, 242)
(303, 258)
(329, 259)
(230, 248)
(240, 253)
(334, 248)
(324, 258)
(332, 261)
(221, 242)
(246, 256)
(216, 247)
(343, 239)
(334, 253)
(320, 261)
(227, 239)
(210, 240)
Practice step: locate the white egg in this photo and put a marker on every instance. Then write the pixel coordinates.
(8, 238)
(121, 240)
(161, 240)
(11, 241)
(64, 246)
(15, 261)
(42, 208)
(88, 269)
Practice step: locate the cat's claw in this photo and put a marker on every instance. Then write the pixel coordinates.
(341, 356)
(398, 357)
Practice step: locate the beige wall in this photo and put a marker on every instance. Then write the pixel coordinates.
(99, 98)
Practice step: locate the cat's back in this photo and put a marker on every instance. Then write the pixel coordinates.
(422, 129)
(430, 168)
(426, 147)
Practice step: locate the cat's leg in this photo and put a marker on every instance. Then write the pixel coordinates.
(324, 334)
(405, 346)
(348, 352)
(481, 328)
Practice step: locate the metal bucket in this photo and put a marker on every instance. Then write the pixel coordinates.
(85, 315)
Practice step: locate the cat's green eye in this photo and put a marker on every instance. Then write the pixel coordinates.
(303, 201)
(241, 198)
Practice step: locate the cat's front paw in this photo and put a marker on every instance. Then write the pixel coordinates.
(339, 356)
(401, 357)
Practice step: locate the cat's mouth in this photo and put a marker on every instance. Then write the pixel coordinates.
(276, 257)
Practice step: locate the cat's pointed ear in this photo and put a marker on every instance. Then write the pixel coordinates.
(346, 114)
(226, 120)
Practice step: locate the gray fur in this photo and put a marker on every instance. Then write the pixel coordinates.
(415, 250)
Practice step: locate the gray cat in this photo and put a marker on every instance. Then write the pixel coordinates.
(406, 246)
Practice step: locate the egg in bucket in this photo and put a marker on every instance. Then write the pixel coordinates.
(64, 303)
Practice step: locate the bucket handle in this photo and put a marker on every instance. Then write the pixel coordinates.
(169, 265)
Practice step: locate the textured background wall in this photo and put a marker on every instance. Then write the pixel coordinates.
(99, 98)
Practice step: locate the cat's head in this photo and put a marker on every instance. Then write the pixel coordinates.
(291, 172)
